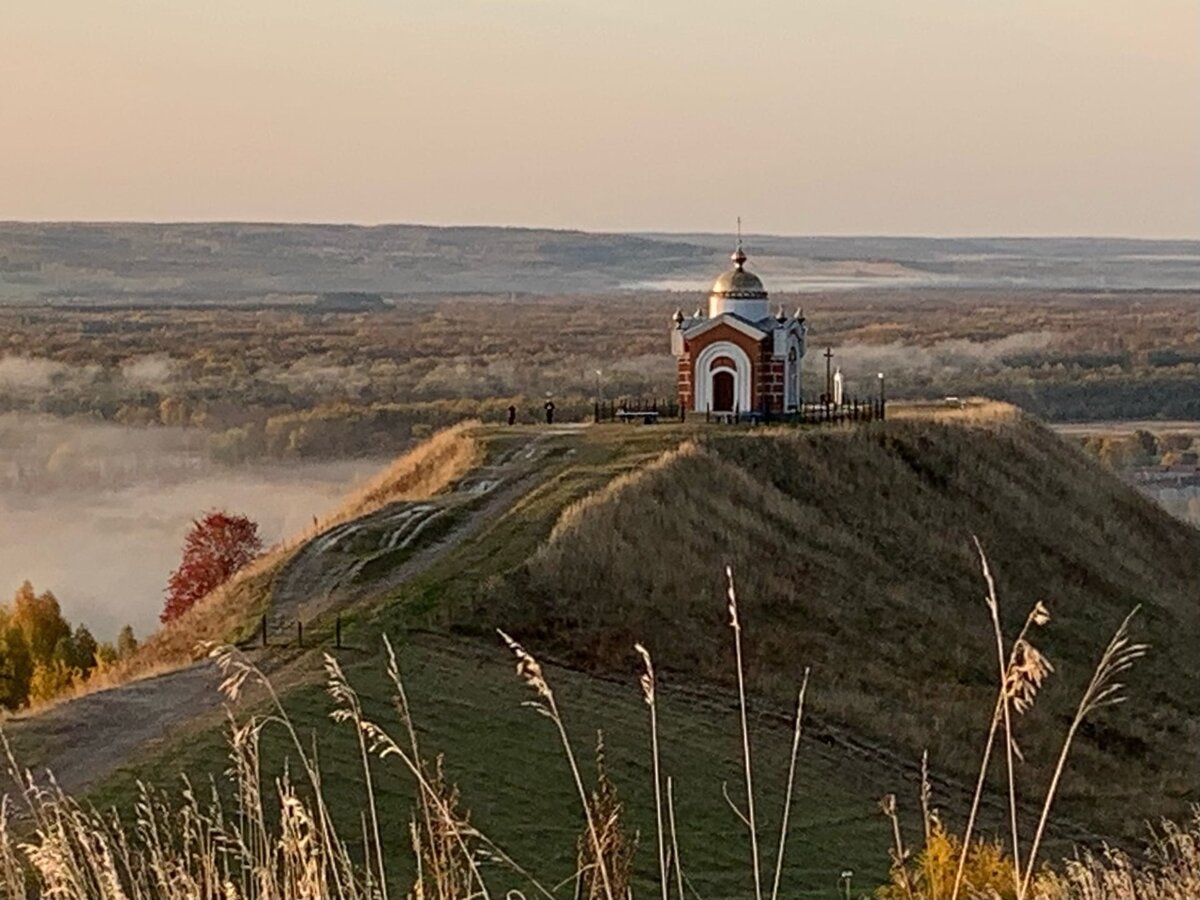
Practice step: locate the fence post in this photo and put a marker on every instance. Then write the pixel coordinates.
(263, 630)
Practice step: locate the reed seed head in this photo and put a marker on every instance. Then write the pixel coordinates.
(648, 681)
(1026, 672)
(529, 669)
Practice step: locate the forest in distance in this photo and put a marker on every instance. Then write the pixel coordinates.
(301, 382)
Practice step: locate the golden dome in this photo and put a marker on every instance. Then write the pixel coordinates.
(737, 283)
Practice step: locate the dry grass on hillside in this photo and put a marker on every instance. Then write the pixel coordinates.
(964, 411)
(422, 472)
(855, 547)
(228, 611)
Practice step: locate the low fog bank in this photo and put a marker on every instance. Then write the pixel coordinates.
(97, 513)
(860, 362)
(41, 455)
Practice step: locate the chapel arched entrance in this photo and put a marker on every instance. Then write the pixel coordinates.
(722, 391)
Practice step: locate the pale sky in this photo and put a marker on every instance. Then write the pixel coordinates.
(930, 117)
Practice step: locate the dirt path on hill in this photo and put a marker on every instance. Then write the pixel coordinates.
(84, 740)
(378, 552)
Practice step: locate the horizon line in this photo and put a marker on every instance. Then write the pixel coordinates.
(635, 232)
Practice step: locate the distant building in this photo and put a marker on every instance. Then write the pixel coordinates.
(736, 357)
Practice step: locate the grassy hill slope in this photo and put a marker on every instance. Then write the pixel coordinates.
(852, 553)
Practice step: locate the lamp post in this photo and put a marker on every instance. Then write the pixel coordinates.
(599, 389)
(882, 392)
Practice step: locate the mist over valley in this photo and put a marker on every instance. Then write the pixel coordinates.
(97, 512)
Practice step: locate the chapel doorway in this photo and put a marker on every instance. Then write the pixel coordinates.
(722, 392)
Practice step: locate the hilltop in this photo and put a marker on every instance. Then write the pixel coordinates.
(852, 554)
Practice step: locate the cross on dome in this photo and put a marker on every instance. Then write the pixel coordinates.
(739, 255)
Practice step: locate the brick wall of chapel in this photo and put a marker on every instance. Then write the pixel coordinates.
(766, 383)
(771, 373)
(684, 380)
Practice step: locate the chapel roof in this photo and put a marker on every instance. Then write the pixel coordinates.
(737, 283)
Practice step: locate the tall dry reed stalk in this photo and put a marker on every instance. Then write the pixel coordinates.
(649, 690)
(748, 817)
(993, 605)
(1103, 690)
(618, 846)
(1020, 680)
(1023, 670)
(674, 837)
(791, 781)
(530, 671)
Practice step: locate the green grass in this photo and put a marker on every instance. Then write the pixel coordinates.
(516, 784)
(379, 564)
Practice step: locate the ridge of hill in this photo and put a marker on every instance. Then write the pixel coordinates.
(851, 550)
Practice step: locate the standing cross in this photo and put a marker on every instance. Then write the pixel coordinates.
(828, 354)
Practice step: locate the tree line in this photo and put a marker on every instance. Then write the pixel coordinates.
(42, 656)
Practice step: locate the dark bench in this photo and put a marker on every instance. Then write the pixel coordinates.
(648, 416)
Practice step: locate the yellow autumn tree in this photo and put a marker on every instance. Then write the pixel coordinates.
(51, 679)
(988, 871)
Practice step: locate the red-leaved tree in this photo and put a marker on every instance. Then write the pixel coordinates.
(217, 546)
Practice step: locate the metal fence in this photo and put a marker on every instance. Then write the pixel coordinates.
(653, 410)
(278, 634)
